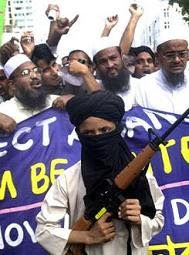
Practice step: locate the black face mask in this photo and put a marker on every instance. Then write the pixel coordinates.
(103, 157)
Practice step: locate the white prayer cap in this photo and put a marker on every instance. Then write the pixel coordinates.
(14, 62)
(168, 35)
(103, 43)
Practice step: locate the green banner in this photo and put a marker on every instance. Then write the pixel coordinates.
(2, 17)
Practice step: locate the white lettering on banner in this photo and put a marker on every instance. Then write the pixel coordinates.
(45, 125)
(132, 122)
(1, 240)
(22, 146)
(20, 234)
(73, 136)
(30, 231)
(156, 123)
(3, 153)
(168, 117)
(175, 206)
(28, 144)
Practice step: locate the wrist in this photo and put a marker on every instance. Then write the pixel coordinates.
(135, 17)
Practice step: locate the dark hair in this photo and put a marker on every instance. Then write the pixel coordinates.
(143, 48)
(87, 56)
(42, 51)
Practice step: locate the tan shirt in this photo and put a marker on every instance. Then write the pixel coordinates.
(66, 196)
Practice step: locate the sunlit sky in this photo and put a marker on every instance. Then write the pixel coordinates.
(92, 15)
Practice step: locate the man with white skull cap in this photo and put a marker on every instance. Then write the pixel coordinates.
(112, 73)
(168, 88)
(24, 80)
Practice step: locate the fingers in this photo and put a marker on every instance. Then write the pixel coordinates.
(8, 126)
(130, 210)
(112, 19)
(77, 67)
(74, 20)
(106, 227)
(61, 101)
(27, 37)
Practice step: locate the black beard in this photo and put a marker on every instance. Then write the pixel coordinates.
(117, 84)
(175, 79)
(32, 99)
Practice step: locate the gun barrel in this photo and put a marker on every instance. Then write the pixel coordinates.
(177, 122)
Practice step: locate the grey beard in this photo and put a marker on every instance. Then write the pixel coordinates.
(117, 84)
(32, 100)
(174, 79)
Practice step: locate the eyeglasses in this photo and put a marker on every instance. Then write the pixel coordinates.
(172, 55)
(27, 72)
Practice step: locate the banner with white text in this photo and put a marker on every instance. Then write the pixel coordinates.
(46, 144)
(40, 149)
(170, 166)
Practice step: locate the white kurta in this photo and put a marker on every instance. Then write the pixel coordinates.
(66, 196)
(153, 92)
(16, 110)
(129, 95)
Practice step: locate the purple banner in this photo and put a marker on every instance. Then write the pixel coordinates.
(170, 166)
(39, 150)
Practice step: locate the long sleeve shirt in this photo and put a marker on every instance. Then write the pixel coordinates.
(154, 92)
(66, 197)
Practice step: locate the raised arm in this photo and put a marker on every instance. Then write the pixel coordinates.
(109, 24)
(77, 68)
(9, 49)
(27, 43)
(128, 34)
(59, 26)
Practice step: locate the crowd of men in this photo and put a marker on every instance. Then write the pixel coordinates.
(33, 81)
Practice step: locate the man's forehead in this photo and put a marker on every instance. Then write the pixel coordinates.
(173, 45)
(107, 52)
(25, 65)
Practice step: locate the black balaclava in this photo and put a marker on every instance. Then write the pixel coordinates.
(105, 155)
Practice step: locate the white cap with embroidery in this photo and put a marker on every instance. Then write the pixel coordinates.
(14, 62)
(168, 35)
(104, 43)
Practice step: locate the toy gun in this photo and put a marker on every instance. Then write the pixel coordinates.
(108, 195)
